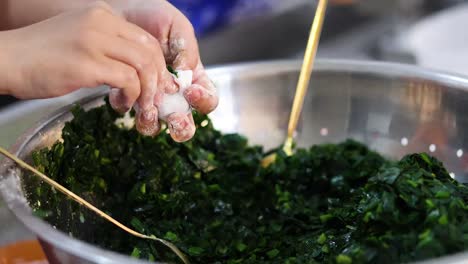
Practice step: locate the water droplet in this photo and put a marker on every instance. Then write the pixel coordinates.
(432, 148)
(324, 131)
(404, 141)
(459, 153)
(224, 208)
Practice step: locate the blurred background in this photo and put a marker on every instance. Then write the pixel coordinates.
(429, 33)
(393, 30)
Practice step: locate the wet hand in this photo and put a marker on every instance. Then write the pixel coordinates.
(176, 39)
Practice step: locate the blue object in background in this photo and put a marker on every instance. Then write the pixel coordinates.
(206, 15)
(209, 15)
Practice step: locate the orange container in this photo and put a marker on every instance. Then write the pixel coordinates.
(24, 252)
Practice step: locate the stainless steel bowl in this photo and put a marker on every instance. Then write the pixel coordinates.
(394, 109)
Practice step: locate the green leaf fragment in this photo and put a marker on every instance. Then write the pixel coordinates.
(41, 213)
(442, 194)
(171, 236)
(195, 251)
(172, 71)
(343, 259)
(138, 225)
(82, 218)
(426, 158)
(426, 234)
(324, 218)
(322, 239)
(429, 203)
(273, 253)
(325, 249)
(443, 220)
(135, 253)
(368, 216)
(241, 246)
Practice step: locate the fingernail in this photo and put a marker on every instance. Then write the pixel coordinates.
(180, 128)
(148, 116)
(118, 101)
(150, 130)
(177, 126)
(194, 95)
(147, 123)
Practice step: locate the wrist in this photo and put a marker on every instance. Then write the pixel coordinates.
(10, 74)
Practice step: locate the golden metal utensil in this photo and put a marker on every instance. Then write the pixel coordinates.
(304, 78)
(83, 202)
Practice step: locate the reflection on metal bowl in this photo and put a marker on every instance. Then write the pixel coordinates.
(394, 109)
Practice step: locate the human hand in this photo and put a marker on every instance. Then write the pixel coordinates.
(178, 43)
(88, 47)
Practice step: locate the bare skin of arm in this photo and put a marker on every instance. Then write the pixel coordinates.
(20, 13)
(174, 44)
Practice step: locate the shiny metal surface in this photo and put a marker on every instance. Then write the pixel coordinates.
(394, 109)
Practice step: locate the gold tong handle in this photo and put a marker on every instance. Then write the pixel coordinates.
(306, 70)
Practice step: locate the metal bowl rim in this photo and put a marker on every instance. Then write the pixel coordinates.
(95, 254)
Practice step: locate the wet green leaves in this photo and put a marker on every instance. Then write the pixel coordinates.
(333, 203)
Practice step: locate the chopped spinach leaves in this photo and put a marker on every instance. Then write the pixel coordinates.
(171, 70)
(332, 203)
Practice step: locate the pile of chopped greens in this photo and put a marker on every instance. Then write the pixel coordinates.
(333, 203)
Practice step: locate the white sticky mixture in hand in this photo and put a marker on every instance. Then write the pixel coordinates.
(176, 103)
(184, 79)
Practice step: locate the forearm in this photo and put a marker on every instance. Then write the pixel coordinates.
(9, 76)
(19, 13)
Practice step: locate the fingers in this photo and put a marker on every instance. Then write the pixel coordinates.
(182, 46)
(142, 59)
(202, 94)
(137, 48)
(135, 34)
(123, 76)
(147, 121)
(181, 126)
(118, 100)
(146, 62)
(183, 54)
(201, 99)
